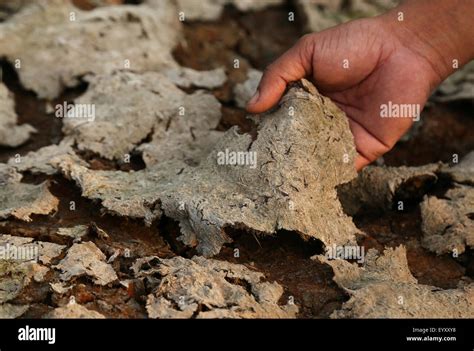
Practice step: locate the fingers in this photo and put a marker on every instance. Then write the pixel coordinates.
(271, 88)
(368, 147)
(291, 66)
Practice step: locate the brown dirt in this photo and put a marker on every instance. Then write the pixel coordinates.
(446, 130)
(285, 258)
(396, 228)
(31, 110)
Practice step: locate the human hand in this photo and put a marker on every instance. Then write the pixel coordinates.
(363, 66)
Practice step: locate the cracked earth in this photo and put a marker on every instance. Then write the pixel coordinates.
(132, 215)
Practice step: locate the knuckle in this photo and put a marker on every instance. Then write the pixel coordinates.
(307, 38)
(306, 43)
(269, 70)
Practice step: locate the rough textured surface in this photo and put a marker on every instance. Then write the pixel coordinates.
(464, 171)
(12, 311)
(8, 174)
(11, 134)
(76, 232)
(376, 187)
(207, 10)
(243, 92)
(385, 288)
(299, 149)
(132, 194)
(73, 310)
(322, 14)
(13, 278)
(180, 175)
(96, 41)
(299, 160)
(86, 259)
(40, 161)
(182, 134)
(447, 223)
(46, 251)
(22, 200)
(21, 268)
(60, 287)
(222, 289)
(123, 98)
(188, 78)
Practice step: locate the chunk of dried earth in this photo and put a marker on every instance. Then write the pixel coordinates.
(11, 134)
(377, 187)
(76, 232)
(74, 43)
(13, 278)
(205, 288)
(173, 117)
(285, 180)
(48, 251)
(86, 259)
(60, 287)
(291, 185)
(322, 14)
(73, 310)
(8, 174)
(42, 160)
(22, 200)
(447, 223)
(244, 91)
(10, 311)
(19, 268)
(187, 78)
(41, 251)
(464, 171)
(385, 288)
(131, 194)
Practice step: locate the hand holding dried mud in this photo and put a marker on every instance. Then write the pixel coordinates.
(350, 63)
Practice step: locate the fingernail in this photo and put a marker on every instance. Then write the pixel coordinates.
(254, 99)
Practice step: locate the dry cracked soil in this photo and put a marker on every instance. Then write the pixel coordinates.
(132, 218)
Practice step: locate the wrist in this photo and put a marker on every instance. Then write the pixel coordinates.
(439, 32)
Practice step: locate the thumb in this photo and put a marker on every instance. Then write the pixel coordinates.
(291, 66)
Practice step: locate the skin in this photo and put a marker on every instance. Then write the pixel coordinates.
(389, 60)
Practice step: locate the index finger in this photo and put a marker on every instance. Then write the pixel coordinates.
(291, 66)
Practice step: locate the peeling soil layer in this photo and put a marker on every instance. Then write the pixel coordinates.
(255, 39)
